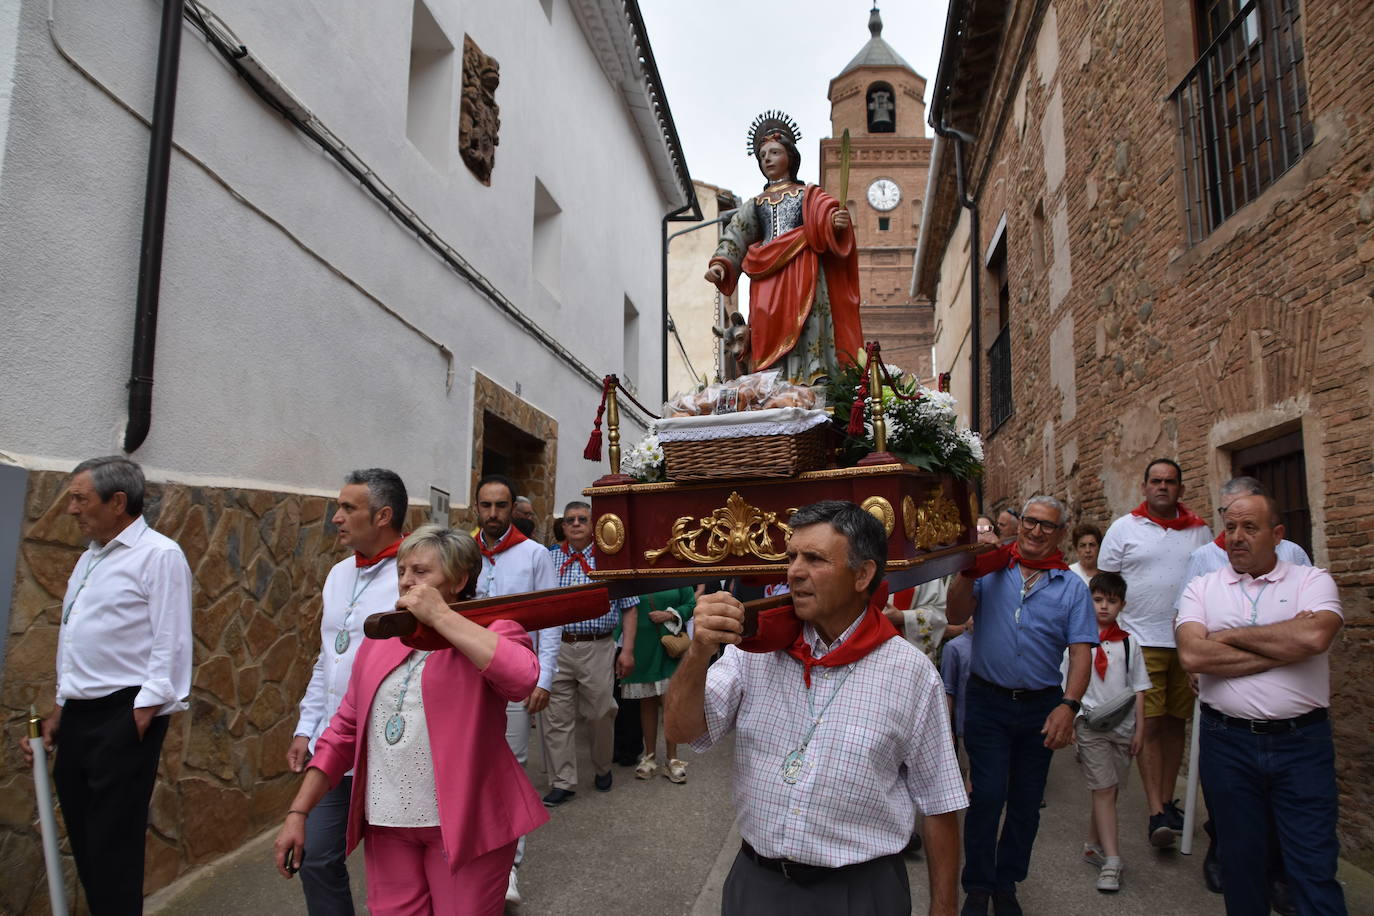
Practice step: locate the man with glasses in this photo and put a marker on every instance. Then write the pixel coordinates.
(1150, 547)
(1029, 609)
(587, 666)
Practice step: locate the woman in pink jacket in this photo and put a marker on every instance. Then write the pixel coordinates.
(437, 794)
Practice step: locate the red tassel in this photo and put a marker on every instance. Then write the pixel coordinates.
(856, 412)
(593, 450)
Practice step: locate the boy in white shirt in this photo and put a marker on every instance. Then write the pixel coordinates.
(1118, 681)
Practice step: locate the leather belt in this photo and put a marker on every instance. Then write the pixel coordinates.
(794, 871)
(585, 637)
(1269, 726)
(1016, 693)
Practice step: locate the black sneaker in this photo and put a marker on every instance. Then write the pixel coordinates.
(1174, 816)
(1004, 903)
(603, 781)
(558, 797)
(975, 904)
(1160, 834)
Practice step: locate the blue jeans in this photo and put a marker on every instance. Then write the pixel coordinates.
(324, 869)
(1008, 764)
(1291, 779)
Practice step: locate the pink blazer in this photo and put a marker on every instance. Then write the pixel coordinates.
(485, 798)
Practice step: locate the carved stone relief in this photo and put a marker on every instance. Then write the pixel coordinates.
(479, 117)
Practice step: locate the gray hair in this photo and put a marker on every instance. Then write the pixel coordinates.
(1243, 486)
(384, 489)
(115, 474)
(459, 558)
(1044, 500)
(525, 500)
(577, 504)
(863, 532)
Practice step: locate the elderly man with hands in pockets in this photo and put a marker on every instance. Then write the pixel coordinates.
(841, 734)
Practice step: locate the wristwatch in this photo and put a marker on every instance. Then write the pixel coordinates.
(1076, 706)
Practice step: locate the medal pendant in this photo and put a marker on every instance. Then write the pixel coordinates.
(792, 766)
(395, 728)
(341, 641)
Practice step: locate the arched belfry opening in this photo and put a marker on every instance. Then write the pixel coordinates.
(882, 108)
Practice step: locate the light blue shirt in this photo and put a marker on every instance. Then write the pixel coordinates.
(1019, 643)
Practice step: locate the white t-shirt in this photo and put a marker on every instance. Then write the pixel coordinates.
(1154, 562)
(1120, 677)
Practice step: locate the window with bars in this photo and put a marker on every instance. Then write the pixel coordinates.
(999, 354)
(1242, 108)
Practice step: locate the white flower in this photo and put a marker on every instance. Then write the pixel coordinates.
(972, 442)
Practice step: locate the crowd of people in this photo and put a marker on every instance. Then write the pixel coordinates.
(864, 722)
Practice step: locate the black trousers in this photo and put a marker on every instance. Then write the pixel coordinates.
(104, 777)
(879, 887)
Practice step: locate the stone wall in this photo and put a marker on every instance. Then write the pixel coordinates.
(259, 560)
(1127, 343)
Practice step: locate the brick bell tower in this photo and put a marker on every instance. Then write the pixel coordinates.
(880, 99)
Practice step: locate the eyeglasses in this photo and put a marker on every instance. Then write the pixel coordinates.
(577, 520)
(1044, 524)
(984, 529)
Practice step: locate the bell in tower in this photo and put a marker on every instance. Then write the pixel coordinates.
(881, 108)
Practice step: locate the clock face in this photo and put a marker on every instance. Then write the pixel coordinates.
(884, 194)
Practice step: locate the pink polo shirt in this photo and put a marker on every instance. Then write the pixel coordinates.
(1225, 599)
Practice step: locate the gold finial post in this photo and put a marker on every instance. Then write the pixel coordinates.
(613, 424)
(875, 391)
(35, 723)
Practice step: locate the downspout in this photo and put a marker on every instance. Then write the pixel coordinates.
(975, 246)
(154, 222)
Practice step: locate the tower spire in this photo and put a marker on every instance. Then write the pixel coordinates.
(875, 22)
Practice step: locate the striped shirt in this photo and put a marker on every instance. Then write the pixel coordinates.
(572, 574)
(881, 750)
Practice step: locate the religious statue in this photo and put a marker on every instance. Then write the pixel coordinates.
(796, 244)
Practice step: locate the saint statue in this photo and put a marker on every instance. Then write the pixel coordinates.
(796, 244)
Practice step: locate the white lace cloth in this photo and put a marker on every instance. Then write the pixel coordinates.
(400, 776)
(779, 421)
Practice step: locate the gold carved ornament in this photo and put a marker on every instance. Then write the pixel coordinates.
(738, 529)
(937, 522)
(610, 534)
(909, 517)
(880, 509)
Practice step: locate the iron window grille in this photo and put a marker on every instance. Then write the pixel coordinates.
(1242, 113)
(999, 377)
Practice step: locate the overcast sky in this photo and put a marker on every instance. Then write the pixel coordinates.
(725, 61)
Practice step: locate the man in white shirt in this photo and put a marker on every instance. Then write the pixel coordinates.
(123, 667)
(1149, 547)
(371, 514)
(512, 564)
(842, 736)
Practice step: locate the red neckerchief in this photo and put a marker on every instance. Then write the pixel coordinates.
(1009, 555)
(1220, 540)
(364, 562)
(1186, 518)
(508, 540)
(873, 630)
(574, 557)
(1109, 633)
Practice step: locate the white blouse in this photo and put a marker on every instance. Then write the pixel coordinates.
(400, 776)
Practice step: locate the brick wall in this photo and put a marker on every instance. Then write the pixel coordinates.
(1156, 348)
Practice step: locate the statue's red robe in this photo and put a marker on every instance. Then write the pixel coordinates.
(783, 275)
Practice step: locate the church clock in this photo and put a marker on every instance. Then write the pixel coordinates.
(884, 195)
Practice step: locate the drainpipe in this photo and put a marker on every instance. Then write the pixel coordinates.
(975, 246)
(154, 222)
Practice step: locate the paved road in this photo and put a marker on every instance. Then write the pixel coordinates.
(658, 849)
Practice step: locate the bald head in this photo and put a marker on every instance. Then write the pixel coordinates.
(1253, 532)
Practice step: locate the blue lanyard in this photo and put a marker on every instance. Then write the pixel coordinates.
(1254, 602)
(91, 564)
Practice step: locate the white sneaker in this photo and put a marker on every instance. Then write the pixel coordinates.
(1109, 878)
(647, 767)
(677, 771)
(513, 890)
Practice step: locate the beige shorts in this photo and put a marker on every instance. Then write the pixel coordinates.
(1104, 757)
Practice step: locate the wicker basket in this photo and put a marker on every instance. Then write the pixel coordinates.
(748, 456)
